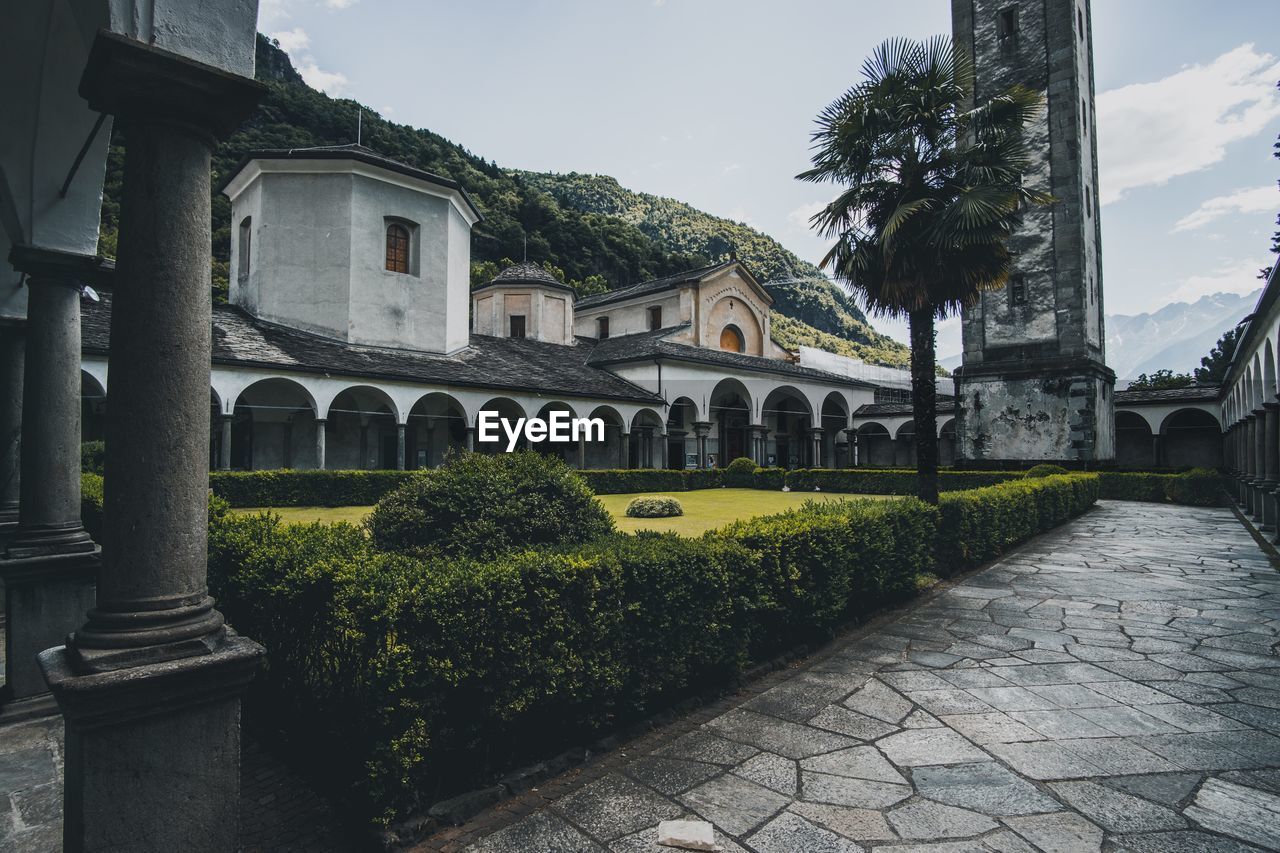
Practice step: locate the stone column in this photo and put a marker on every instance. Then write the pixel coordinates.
(321, 423)
(851, 461)
(1270, 463)
(399, 447)
(626, 450)
(150, 686)
(701, 429)
(224, 449)
(815, 441)
(50, 563)
(759, 445)
(1259, 460)
(471, 439)
(582, 451)
(1155, 450)
(13, 346)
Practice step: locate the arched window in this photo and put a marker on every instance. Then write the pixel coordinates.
(731, 339)
(246, 237)
(397, 248)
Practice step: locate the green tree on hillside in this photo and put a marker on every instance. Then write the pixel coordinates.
(931, 190)
(1213, 367)
(1162, 380)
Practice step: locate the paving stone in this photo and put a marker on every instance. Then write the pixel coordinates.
(772, 771)
(1058, 673)
(1131, 692)
(844, 791)
(971, 678)
(703, 745)
(925, 819)
(1043, 760)
(990, 728)
(1060, 832)
(1180, 842)
(1123, 721)
(859, 762)
(843, 721)
(1244, 813)
(857, 824)
(954, 701)
(773, 735)
(918, 719)
(614, 805)
(919, 747)
(1253, 715)
(1263, 780)
(1115, 810)
(986, 787)
(671, 775)
(1192, 718)
(1169, 789)
(914, 680)
(538, 831)
(735, 805)
(1059, 724)
(1191, 691)
(789, 832)
(1011, 698)
(1007, 841)
(1206, 750)
(876, 699)
(646, 841)
(1073, 696)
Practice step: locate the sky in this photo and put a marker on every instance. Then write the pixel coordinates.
(712, 102)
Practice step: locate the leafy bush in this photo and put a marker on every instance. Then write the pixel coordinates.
(624, 481)
(480, 505)
(306, 488)
(91, 504)
(1036, 471)
(771, 479)
(92, 455)
(740, 473)
(654, 506)
(1132, 486)
(1197, 487)
(887, 481)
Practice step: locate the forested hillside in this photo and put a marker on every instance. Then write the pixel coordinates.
(585, 241)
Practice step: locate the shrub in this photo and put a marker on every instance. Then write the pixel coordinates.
(1197, 487)
(772, 479)
(1037, 471)
(740, 473)
(654, 506)
(91, 504)
(625, 481)
(887, 481)
(306, 488)
(1132, 485)
(92, 455)
(479, 505)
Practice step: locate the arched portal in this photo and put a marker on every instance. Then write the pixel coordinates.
(611, 453)
(93, 407)
(730, 416)
(834, 421)
(1190, 438)
(875, 446)
(682, 440)
(509, 410)
(274, 426)
(362, 431)
(947, 444)
(437, 426)
(647, 443)
(788, 419)
(1134, 448)
(566, 451)
(904, 446)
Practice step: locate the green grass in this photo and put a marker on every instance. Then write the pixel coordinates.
(704, 510)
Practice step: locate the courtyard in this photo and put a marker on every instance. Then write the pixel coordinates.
(704, 510)
(1113, 684)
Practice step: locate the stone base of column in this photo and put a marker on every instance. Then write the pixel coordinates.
(47, 540)
(1267, 505)
(46, 598)
(168, 734)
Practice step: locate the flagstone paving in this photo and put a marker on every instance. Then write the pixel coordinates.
(1112, 685)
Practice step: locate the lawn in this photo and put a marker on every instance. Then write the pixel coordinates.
(703, 510)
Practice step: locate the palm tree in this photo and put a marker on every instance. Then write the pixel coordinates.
(932, 188)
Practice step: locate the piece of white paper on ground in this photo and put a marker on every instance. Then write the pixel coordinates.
(687, 835)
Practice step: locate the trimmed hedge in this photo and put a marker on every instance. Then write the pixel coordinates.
(888, 481)
(306, 488)
(91, 504)
(654, 506)
(1044, 470)
(1197, 487)
(92, 456)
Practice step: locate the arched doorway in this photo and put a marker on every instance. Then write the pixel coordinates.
(730, 415)
(437, 424)
(1190, 438)
(362, 432)
(682, 440)
(274, 426)
(1134, 448)
(787, 418)
(947, 444)
(835, 420)
(875, 446)
(93, 408)
(566, 451)
(610, 453)
(509, 410)
(904, 446)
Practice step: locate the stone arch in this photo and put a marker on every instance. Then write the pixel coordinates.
(1135, 448)
(682, 439)
(833, 417)
(733, 311)
(508, 409)
(1268, 375)
(730, 410)
(947, 444)
(1255, 384)
(788, 418)
(436, 426)
(93, 407)
(273, 426)
(904, 445)
(647, 445)
(1190, 437)
(875, 446)
(611, 453)
(565, 451)
(362, 429)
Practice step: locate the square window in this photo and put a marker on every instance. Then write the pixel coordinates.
(517, 325)
(1017, 290)
(655, 318)
(602, 328)
(1007, 31)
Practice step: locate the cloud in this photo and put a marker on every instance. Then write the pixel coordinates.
(1149, 133)
(293, 41)
(801, 215)
(297, 43)
(730, 167)
(1255, 200)
(739, 214)
(340, 4)
(272, 14)
(1232, 276)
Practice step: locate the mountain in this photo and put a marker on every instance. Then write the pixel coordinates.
(800, 292)
(1176, 336)
(522, 215)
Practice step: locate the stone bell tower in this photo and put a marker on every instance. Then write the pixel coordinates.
(1033, 385)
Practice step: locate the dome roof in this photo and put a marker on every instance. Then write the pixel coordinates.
(527, 272)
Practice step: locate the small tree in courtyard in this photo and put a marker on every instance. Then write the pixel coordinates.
(931, 189)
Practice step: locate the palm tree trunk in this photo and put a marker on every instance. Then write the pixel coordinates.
(924, 406)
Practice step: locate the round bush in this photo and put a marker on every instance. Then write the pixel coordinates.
(479, 505)
(654, 506)
(742, 465)
(1044, 471)
(741, 473)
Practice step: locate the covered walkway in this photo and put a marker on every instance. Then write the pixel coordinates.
(1115, 682)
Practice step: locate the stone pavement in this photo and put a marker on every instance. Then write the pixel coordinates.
(1112, 685)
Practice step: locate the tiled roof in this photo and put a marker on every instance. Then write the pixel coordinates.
(654, 286)
(1194, 393)
(526, 272)
(945, 407)
(500, 363)
(647, 346)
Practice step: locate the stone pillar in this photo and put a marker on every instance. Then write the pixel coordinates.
(582, 451)
(13, 345)
(471, 439)
(815, 442)
(224, 449)
(50, 563)
(150, 686)
(759, 445)
(1155, 450)
(1270, 463)
(701, 429)
(321, 423)
(626, 450)
(664, 447)
(851, 461)
(1259, 460)
(399, 447)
